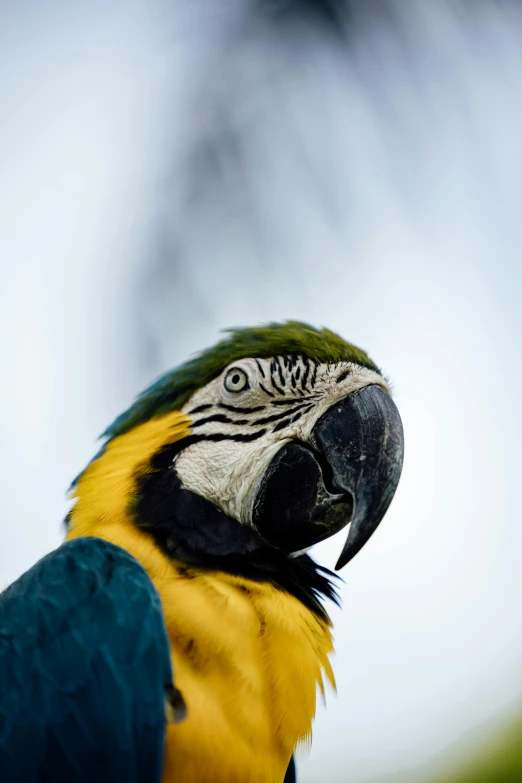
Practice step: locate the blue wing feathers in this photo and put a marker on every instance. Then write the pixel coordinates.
(84, 663)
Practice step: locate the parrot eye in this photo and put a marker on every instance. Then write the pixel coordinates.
(236, 380)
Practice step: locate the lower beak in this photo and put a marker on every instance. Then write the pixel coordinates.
(347, 473)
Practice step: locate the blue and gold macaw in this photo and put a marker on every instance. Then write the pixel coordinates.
(179, 633)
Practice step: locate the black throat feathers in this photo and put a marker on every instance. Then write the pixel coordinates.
(189, 528)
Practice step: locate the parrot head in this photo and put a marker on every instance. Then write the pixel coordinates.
(278, 437)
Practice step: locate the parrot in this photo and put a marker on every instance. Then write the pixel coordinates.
(180, 632)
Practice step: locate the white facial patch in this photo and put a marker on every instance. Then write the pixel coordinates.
(248, 413)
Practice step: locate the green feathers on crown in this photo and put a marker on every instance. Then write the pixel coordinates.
(172, 390)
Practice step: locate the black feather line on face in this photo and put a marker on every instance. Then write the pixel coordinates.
(164, 458)
(189, 528)
(286, 412)
(238, 409)
(218, 417)
(282, 425)
(269, 393)
(307, 370)
(281, 376)
(294, 401)
(343, 375)
(276, 387)
(201, 408)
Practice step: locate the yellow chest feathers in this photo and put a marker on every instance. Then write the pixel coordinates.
(248, 659)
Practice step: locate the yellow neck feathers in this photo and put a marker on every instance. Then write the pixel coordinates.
(247, 657)
(105, 490)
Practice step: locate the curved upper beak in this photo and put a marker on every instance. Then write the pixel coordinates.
(361, 440)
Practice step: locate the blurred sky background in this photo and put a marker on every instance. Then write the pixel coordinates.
(168, 169)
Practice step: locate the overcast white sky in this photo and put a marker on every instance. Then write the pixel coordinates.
(165, 175)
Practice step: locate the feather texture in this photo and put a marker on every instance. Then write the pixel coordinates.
(172, 390)
(248, 659)
(84, 666)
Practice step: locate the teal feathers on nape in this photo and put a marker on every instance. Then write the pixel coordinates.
(172, 390)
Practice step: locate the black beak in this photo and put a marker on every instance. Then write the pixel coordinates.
(348, 473)
(362, 440)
